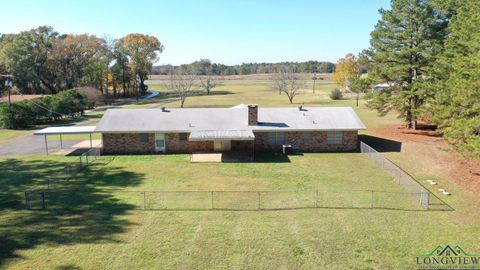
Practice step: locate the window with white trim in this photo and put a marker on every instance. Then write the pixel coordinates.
(276, 138)
(334, 137)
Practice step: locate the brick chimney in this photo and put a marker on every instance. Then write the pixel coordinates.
(252, 115)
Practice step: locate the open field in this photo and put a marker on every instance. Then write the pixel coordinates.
(266, 76)
(117, 237)
(120, 236)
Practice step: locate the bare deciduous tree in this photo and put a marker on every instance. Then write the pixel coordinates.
(208, 82)
(182, 84)
(288, 83)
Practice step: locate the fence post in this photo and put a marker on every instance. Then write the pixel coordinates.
(371, 199)
(259, 201)
(316, 198)
(43, 199)
(212, 199)
(427, 207)
(27, 204)
(144, 201)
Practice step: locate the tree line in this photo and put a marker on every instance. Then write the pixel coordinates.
(44, 61)
(427, 54)
(206, 67)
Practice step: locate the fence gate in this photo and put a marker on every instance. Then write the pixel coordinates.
(35, 199)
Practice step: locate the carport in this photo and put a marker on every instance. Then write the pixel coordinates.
(63, 131)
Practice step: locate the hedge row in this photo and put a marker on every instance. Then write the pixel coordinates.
(69, 103)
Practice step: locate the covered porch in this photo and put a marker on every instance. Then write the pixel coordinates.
(228, 145)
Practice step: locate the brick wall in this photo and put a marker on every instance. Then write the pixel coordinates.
(242, 146)
(131, 143)
(175, 145)
(128, 143)
(316, 143)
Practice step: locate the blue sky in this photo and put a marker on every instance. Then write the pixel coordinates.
(228, 31)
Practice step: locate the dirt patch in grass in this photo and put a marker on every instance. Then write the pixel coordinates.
(436, 156)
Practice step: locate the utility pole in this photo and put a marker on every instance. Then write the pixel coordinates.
(8, 86)
(314, 78)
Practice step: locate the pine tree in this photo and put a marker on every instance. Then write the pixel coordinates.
(456, 80)
(403, 44)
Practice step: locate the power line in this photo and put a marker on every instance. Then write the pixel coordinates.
(31, 100)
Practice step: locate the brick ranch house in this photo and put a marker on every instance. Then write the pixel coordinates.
(243, 128)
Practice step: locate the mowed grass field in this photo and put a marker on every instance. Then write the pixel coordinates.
(119, 235)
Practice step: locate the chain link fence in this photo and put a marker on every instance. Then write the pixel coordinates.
(229, 200)
(35, 196)
(420, 194)
(415, 197)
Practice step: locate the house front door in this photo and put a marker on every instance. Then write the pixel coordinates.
(221, 146)
(160, 142)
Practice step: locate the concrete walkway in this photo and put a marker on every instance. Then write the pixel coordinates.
(206, 157)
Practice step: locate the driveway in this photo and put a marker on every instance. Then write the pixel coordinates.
(32, 145)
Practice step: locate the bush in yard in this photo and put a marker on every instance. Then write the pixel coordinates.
(69, 103)
(336, 94)
(21, 115)
(29, 112)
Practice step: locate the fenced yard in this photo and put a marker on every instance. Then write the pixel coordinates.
(275, 184)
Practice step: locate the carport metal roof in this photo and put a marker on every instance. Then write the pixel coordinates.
(65, 130)
(208, 135)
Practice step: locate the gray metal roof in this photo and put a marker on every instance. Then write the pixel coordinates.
(65, 130)
(228, 119)
(317, 118)
(209, 135)
(173, 120)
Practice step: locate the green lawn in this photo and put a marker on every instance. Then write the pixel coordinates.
(118, 235)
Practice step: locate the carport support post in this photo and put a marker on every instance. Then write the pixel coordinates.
(90, 140)
(46, 144)
(61, 142)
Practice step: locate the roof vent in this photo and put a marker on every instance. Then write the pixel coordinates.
(164, 109)
(300, 108)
